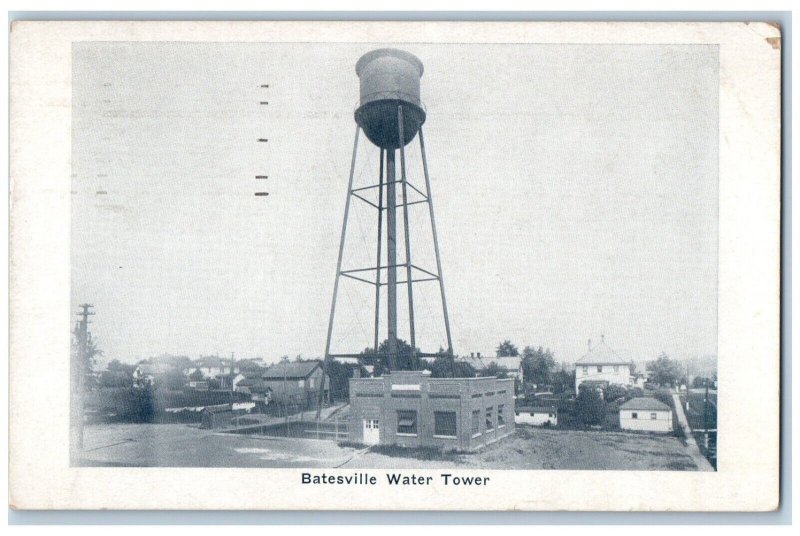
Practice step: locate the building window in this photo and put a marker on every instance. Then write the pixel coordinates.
(634, 415)
(489, 418)
(444, 423)
(300, 383)
(476, 422)
(652, 416)
(599, 368)
(407, 422)
(616, 368)
(586, 370)
(311, 383)
(501, 421)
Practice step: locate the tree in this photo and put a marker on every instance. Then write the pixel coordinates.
(196, 376)
(380, 359)
(115, 379)
(441, 368)
(635, 392)
(506, 349)
(699, 382)
(538, 365)
(563, 381)
(117, 374)
(88, 360)
(173, 380)
(615, 391)
(589, 406)
(494, 370)
(115, 365)
(339, 375)
(664, 371)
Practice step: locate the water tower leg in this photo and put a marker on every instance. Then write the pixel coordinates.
(327, 358)
(409, 277)
(378, 261)
(436, 250)
(391, 258)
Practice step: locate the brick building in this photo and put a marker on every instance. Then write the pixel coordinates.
(411, 409)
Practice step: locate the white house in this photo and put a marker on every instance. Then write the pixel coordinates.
(602, 367)
(213, 366)
(646, 414)
(536, 415)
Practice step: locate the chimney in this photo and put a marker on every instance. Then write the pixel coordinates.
(589, 343)
(357, 372)
(479, 355)
(472, 354)
(602, 338)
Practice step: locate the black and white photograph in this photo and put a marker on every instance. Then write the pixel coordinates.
(524, 276)
(406, 258)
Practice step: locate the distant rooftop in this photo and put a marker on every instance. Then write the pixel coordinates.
(291, 369)
(601, 354)
(510, 363)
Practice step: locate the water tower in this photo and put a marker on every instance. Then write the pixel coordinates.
(391, 114)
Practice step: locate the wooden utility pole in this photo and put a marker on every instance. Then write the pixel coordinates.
(79, 368)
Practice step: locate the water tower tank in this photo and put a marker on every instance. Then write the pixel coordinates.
(389, 78)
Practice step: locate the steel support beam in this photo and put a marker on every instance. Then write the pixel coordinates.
(436, 250)
(378, 260)
(338, 272)
(345, 274)
(409, 278)
(356, 270)
(391, 258)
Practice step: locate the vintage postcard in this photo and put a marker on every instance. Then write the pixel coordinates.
(395, 265)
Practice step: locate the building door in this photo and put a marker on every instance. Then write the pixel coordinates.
(372, 432)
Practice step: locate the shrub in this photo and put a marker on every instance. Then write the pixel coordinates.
(614, 392)
(589, 407)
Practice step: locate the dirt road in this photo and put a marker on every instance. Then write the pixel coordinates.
(692, 449)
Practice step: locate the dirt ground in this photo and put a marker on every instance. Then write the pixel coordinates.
(536, 448)
(180, 445)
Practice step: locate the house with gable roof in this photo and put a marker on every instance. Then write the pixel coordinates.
(601, 366)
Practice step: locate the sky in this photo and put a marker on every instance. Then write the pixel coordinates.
(575, 192)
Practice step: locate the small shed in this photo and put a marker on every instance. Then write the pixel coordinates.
(219, 416)
(536, 415)
(645, 414)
